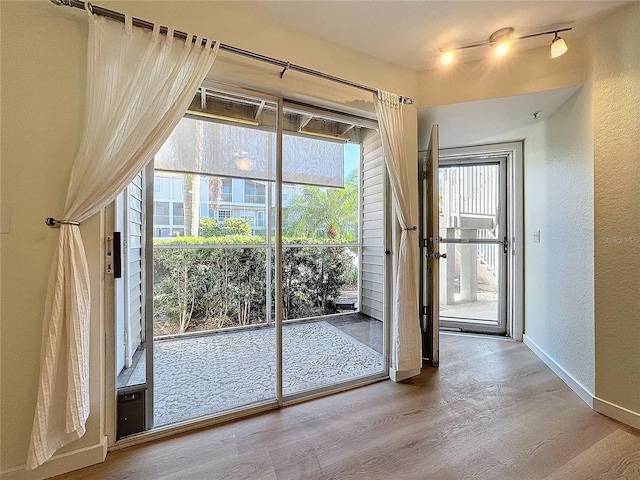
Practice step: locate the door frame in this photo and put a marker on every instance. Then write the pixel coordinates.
(515, 223)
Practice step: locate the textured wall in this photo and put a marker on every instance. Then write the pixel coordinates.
(559, 311)
(42, 98)
(615, 73)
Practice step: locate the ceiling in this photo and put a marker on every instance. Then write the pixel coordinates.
(494, 120)
(410, 33)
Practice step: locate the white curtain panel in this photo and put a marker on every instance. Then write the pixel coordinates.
(406, 343)
(139, 84)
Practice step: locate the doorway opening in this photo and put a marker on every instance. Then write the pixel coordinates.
(473, 236)
(473, 200)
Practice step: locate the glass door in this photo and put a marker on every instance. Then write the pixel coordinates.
(327, 339)
(472, 218)
(430, 256)
(214, 337)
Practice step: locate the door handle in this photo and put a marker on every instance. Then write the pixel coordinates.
(436, 256)
(113, 255)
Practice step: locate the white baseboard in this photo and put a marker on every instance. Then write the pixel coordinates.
(604, 407)
(617, 412)
(59, 464)
(573, 384)
(400, 375)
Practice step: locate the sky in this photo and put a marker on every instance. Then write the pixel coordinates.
(351, 158)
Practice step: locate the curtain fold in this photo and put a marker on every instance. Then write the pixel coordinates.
(406, 344)
(139, 84)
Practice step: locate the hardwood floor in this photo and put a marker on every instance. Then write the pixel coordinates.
(492, 410)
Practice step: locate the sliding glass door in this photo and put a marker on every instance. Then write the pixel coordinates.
(237, 227)
(214, 335)
(321, 205)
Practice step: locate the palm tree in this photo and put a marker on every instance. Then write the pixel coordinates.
(192, 187)
(321, 212)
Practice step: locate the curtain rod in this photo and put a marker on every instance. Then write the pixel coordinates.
(105, 12)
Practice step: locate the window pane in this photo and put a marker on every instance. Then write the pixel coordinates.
(218, 149)
(178, 213)
(214, 279)
(470, 201)
(325, 214)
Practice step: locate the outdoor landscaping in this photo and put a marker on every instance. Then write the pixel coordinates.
(219, 281)
(216, 275)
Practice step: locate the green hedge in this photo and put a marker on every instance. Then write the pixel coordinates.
(226, 286)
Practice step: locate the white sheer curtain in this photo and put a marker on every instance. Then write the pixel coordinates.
(139, 84)
(406, 347)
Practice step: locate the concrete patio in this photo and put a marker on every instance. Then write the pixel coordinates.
(212, 372)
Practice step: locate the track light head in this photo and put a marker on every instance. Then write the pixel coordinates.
(558, 46)
(501, 40)
(502, 49)
(447, 57)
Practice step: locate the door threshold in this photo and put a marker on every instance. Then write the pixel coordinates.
(191, 425)
(477, 335)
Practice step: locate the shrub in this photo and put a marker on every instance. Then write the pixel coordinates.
(312, 278)
(226, 286)
(210, 227)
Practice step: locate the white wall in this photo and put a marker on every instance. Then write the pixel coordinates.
(582, 190)
(558, 179)
(42, 107)
(43, 88)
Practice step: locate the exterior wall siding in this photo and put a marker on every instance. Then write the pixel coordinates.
(134, 252)
(372, 267)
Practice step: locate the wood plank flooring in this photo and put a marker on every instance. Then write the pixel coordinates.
(492, 410)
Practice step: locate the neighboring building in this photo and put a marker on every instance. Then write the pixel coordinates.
(237, 198)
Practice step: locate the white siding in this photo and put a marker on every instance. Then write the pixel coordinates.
(372, 268)
(134, 258)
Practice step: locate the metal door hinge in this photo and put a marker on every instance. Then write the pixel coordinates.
(109, 254)
(424, 321)
(429, 240)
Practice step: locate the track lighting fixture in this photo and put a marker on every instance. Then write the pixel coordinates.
(501, 40)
